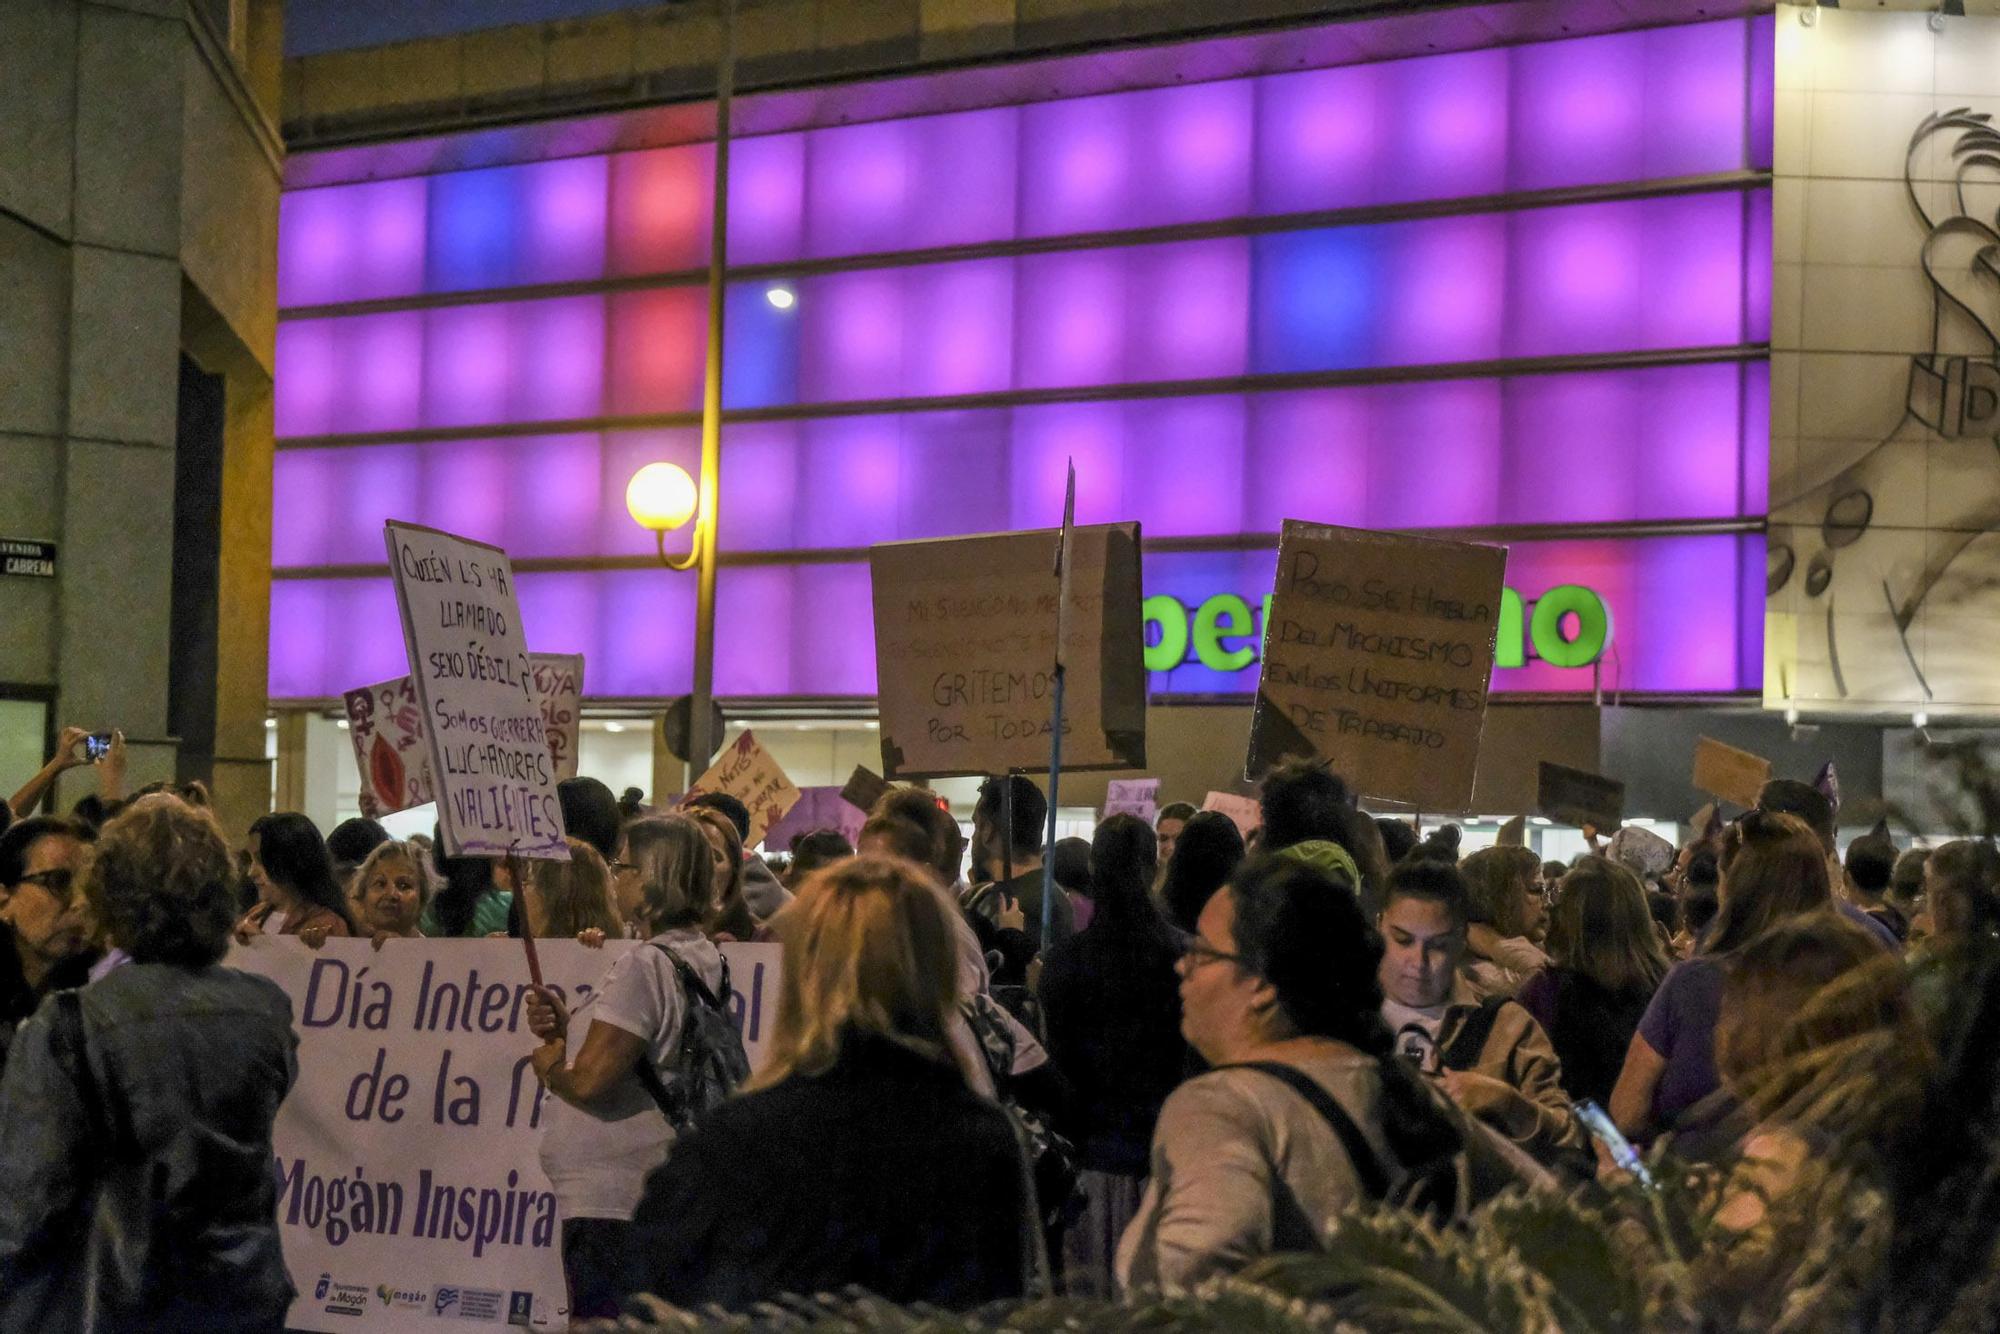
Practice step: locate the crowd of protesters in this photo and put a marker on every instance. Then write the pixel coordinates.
(1129, 1062)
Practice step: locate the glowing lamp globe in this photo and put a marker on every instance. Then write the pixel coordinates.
(661, 497)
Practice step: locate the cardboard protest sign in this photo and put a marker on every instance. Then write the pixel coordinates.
(1243, 811)
(864, 788)
(1513, 834)
(817, 808)
(746, 771)
(1726, 772)
(1377, 653)
(386, 726)
(1132, 796)
(1575, 797)
(965, 640)
(411, 1195)
(490, 762)
(559, 685)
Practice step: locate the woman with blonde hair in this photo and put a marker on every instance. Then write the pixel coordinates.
(860, 1156)
(730, 918)
(391, 891)
(564, 900)
(608, 1123)
(1508, 919)
(1606, 963)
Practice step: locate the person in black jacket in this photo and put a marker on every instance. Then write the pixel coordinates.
(859, 1156)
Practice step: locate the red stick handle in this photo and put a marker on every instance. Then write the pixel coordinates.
(534, 963)
(527, 930)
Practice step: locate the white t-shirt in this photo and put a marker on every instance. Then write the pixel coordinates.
(1416, 1032)
(598, 1160)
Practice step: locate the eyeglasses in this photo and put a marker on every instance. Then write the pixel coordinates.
(1196, 953)
(55, 883)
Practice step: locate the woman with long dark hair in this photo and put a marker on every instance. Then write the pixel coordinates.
(1206, 854)
(297, 893)
(1307, 1109)
(1113, 1018)
(469, 903)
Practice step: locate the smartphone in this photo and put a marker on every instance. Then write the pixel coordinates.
(1598, 1122)
(96, 746)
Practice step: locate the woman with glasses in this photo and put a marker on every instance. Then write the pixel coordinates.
(44, 945)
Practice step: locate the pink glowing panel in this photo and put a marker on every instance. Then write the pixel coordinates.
(1447, 125)
(956, 467)
(658, 340)
(960, 328)
(767, 182)
(966, 173)
(1184, 465)
(1319, 141)
(332, 635)
(305, 383)
(859, 195)
(468, 364)
(1697, 97)
(302, 480)
(1192, 158)
(351, 242)
(1460, 422)
(1576, 278)
(660, 210)
(1045, 440)
(1446, 280)
(851, 336)
(1579, 111)
(850, 472)
(757, 646)
(1078, 165)
(558, 360)
(1309, 458)
(623, 454)
(564, 222)
(1073, 325)
(1189, 305)
(381, 371)
(761, 500)
(1694, 273)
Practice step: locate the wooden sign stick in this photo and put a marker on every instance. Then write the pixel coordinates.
(527, 927)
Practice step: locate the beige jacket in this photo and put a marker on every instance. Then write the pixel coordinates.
(1518, 1054)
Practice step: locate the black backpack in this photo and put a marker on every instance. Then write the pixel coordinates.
(709, 1064)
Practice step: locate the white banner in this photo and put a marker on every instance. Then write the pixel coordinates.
(410, 1187)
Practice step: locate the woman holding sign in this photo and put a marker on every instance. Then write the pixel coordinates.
(646, 1054)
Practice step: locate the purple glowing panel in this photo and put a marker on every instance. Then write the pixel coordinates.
(635, 627)
(859, 195)
(1580, 272)
(1700, 87)
(760, 495)
(564, 219)
(959, 332)
(1445, 284)
(551, 495)
(330, 635)
(850, 470)
(1188, 304)
(381, 370)
(563, 613)
(1320, 136)
(1073, 329)
(1184, 465)
(1695, 431)
(968, 176)
(956, 470)
(1575, 103)
(351, 242)
(469, 365)
(1078, 166)
(1459, 423)
(833, 638)
(1756, 417)
(1446, 123)
(306, 379)
(465, 488)
(1311, 456)
(1192, 152)
(1756, 277)
(1045, 439)
(301, 519)
(1760, 39)
(851, 335)
(756, 650)
(767, 183)
(557, 359)
(1696, 272)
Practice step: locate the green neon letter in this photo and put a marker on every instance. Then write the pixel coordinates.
(1507, 649)
(1224, 616)
(1593, 626)
(1172, 618)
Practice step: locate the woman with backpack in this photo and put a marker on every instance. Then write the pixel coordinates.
(1307, 1110)
(654, 1047)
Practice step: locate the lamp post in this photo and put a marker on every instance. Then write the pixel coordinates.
(668, 498)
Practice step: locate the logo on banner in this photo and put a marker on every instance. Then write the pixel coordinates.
(447, 1298)
(402, 1299)
(341, 1298)
(521, 1308)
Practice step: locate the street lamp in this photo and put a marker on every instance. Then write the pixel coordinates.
(660, 498)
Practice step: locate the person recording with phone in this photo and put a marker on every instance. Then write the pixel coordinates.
(76, 747)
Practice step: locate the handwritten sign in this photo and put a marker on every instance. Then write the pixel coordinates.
(746, 771)
(965, 640)
(1577, 797)
(490, 760)
(1726, 772)
(864, 788)
(411, 1196)
(817, 808)
(559, 685)
(1137, 797)
(1243, 811)
(386, 725)
(1377, 653)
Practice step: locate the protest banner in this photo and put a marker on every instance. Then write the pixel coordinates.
(1577, 797)
(1731, 774)
(1513, 834)
(490, 762)
(1378, 649)
(965, 639)
(559, 686)
(1138, 797)
(864, 788)
(746, 771)
(1243, 811)
(817, 808)
(386, 725)
(410, 1189)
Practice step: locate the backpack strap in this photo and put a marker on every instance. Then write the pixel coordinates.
(1374, 1181)
(697, 991)
(1470, 1040)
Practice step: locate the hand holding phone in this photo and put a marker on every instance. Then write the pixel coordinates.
(96, 746)
(1599, 1123)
